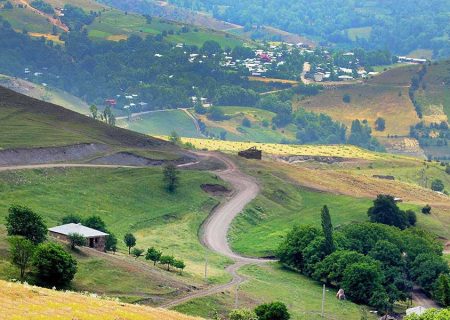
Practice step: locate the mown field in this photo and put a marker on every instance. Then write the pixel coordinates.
(25, 302)
(343, 151)
(383, 96)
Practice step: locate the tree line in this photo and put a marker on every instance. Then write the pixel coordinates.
(374, 263)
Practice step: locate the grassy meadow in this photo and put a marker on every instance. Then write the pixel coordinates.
(128, 200)
(25, 302)
(162, 123)
(257, 132)
(383, 96)
(271, 282)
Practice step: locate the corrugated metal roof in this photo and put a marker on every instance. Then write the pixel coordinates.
(67, 229)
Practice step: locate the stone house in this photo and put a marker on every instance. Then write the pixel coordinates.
(94, 239)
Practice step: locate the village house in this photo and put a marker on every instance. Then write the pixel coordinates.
(94, 239)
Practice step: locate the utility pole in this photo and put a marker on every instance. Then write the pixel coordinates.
(206, 265)
(323, 301)
(236, 297)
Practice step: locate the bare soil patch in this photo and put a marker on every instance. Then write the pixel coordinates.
(215, 189)
(24, 156)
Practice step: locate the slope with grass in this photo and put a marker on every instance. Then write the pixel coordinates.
(28, 122)
(162, 122)
(44, 93)
(25, 302)
(384, 96)
(128, 200)
(434, 95)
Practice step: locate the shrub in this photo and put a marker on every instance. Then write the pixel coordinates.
(22, 221)
(437, 185)
(130, 241)
(347, 98)
(272, 311)
(54, 266)
(137, 252)
(153, 255)
(246, 123)
(71, 218)
(167, 260)
(242, 314)
(21, 253)
(76, 239)
(426, 209)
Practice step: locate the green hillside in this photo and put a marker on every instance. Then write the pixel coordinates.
(28, 122)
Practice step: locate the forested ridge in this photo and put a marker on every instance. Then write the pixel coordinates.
(400, 26)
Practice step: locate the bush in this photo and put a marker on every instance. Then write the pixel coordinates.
(411, 216)
(76, 239)
(137, 252)
(437, 185)
(272, 311)
(246, 123)
(347, 98)
(22, 221)
(431, 314)
(242, 314)
(21, 253)
(71, 218)
(153, 255)
(426, 209)
(54, 266)
(386, 211)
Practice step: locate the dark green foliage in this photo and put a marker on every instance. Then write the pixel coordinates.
(76, 240)
(291, 249)
(111, 242)
(318, 128)
(246, 123)
(76, 18)
(235, 96)
(447, 169)
(362, 280)
(130, 241)
(71, 218)
(380, 124)
(42, 6)
(171, 178)
(347, 98)
(395, 25)
(437, 185)
(137, 252)
(426, 209)
(331, 269)
(441, 290)
(179, 264)
(361, 135)
(153, 255)
(272, 311)
(211, 47)
(21, 252)
(327, 229)
(426, 269)
(412, 218)
(216, 114)
(54, 266)
(22, 221)
(199, 108)
(8, 6)
(167, 260)
(386, 211)
(95, 222)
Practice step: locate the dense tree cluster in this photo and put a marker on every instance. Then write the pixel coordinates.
(152, 68)
(375, 264)
(42, 6)
(400, 26)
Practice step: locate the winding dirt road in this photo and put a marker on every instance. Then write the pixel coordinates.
(215, 228)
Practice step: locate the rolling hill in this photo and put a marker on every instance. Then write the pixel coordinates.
(25, 302)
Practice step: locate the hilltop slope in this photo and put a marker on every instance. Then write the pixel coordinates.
(28, 122)
(26, 302)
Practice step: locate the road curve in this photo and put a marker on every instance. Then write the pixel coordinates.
(215, 228)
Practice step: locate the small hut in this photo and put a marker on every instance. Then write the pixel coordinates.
(252, 153)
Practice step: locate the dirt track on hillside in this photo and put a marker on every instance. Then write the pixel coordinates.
(215, 228)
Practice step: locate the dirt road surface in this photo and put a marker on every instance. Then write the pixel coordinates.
(215, 228)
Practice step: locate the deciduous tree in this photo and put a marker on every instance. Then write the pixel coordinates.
(22, 221)
(130, 241)
(21, 252)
